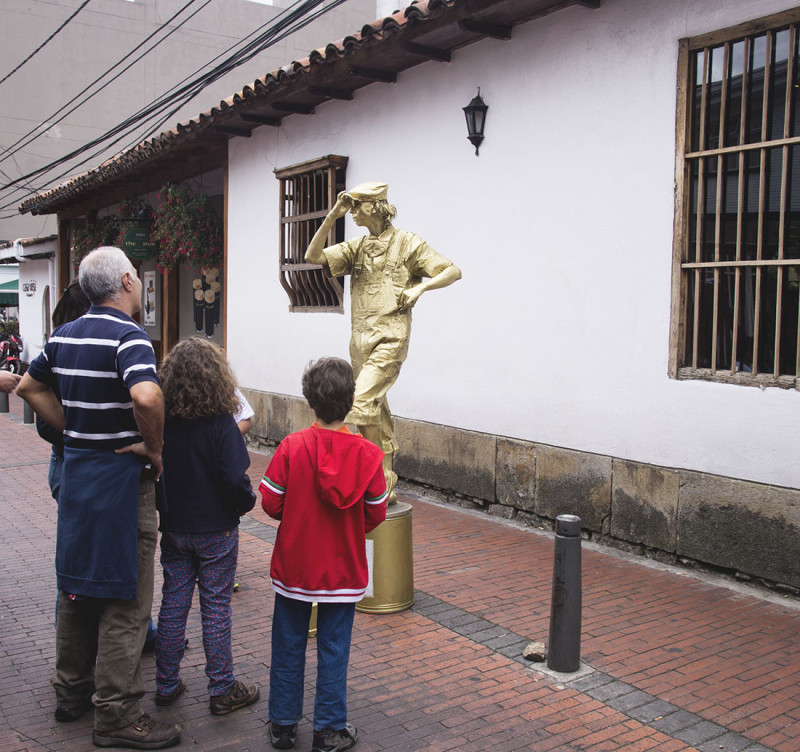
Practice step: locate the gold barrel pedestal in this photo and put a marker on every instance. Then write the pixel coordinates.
(392, 564)
(312, 622)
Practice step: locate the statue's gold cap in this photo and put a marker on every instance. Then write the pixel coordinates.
(369, 192)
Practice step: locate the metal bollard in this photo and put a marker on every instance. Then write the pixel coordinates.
(27, 413)
(564, 647)
(3, 402)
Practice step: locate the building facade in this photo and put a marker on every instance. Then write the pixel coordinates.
(623, 344)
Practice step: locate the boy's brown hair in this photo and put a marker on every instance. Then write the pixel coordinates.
(329, 387)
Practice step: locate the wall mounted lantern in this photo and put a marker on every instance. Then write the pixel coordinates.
(475, 113)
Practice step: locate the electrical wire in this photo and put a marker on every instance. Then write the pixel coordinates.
(286, 23)
(211, 77)
(46, 41)
(49, 122)
(10, 151)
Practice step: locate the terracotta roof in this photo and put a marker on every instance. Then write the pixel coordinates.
(36, 241)
(424, 31)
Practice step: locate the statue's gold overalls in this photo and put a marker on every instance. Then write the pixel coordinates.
(380, 269)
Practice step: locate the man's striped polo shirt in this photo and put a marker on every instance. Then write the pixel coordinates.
(92, 363)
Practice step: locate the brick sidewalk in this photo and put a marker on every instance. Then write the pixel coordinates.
(675, 663)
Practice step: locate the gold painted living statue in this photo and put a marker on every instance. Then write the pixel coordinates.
(389, 269)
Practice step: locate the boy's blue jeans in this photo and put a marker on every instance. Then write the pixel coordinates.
(290, 623)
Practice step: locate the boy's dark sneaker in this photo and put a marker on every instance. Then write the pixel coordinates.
(283, 737)
(68, 715)
(169, 697)
(240, 696)
(335, 741)
(144, 733)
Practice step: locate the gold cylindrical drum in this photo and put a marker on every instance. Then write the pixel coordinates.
(312, 622)
(392, 564)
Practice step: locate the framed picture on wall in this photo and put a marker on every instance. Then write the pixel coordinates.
(149, 298)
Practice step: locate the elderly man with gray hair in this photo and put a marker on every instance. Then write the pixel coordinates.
(96, 381)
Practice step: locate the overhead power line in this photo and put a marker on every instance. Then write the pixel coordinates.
(286, 23)
(42, 128)
(46, 41)
(54, 119)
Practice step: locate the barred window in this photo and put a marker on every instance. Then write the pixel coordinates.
(307, 193)
(736, 310)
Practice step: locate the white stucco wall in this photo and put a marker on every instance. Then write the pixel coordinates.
(559, 330)
(38, 273)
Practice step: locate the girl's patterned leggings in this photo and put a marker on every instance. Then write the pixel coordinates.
(209, 559)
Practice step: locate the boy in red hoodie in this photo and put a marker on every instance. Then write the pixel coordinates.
(326, 486)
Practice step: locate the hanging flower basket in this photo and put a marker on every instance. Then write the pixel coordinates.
(135, 225)
(104, 231)
(186, 229)
(135, 209)
(109, 230)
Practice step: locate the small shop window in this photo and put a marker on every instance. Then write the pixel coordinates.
(307, 193)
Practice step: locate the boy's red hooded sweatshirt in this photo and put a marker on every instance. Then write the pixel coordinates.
(327, 489)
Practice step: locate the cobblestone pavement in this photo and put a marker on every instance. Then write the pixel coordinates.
(672, 661)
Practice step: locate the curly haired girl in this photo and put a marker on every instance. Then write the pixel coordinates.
(207, 490)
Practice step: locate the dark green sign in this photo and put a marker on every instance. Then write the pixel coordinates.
(137, 244)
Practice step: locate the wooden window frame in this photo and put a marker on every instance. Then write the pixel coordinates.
(696, 226)
(307, 193)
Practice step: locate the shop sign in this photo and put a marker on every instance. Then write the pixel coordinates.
(137, 244)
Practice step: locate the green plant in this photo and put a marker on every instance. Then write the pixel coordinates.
(8, 327)
(186, 229)
(132, 210)
(136, 208)
(103, 231)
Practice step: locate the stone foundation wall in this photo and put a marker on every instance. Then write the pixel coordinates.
(676, 516)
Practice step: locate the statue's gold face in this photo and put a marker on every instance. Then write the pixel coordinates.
(361, 211)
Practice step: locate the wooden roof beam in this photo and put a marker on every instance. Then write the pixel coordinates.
(293, 109)
(432, 53)
(496, 31)
(231, 131)
(328, 93)
(375, 74)
(251, 117)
